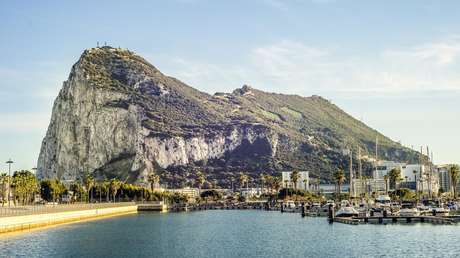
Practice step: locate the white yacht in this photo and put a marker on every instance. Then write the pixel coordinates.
(347, 212)
(440, 211)
(408, 210)
(383, 201)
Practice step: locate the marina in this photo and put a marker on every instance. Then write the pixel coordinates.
(231, 233)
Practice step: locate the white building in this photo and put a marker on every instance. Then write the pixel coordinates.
(410, 173)
(251, 192)
(384, 167)
(444, 177)
(302, 183)
(189, 192)
(368, 186)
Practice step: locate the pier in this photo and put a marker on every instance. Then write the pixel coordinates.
(397, 219)
(154, 206)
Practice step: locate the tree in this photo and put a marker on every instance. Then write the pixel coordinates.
(107, 189)
(386, 177)
(339, 177)
(51, 190)
(295, 175)
(201, 179)
(213, 194)
(115, 185)
(244, 179)
(454, 171)
(274, 183)
(100, 187)
(395, 176)
(77, 190)
(263, 180)
(404, 194)
(25, 186)
(153, 179)
(4, 179)
(88, 181)
(305, 181)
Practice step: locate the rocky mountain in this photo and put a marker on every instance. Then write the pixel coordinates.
(119, 116)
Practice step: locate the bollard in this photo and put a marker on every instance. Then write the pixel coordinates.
(303, 210)
(331, 214)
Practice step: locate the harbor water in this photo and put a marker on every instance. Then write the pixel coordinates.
(231, 233)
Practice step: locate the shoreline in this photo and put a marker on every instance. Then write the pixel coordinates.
(45, 221)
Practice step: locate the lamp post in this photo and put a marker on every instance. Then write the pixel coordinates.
(9, 162)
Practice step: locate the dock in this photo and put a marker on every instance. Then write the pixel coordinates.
(155, 206)
(397, 219)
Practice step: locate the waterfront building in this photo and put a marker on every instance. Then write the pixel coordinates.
(368, 185)
(303, 183)
(251, 192)
(444, 177)
(384, 167)
(445, 182)
(189, 192)
(332, 188)
(413, 176)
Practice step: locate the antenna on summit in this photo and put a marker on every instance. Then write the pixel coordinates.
(98, 44)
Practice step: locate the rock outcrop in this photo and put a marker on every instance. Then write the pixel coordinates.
(118, 116)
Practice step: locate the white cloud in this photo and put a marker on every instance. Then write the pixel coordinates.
(294, 67)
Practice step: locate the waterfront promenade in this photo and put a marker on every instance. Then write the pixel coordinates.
(29, 217)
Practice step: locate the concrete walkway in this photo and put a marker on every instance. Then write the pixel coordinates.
(27, 222)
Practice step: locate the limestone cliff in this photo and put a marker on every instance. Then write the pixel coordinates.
(118, 116)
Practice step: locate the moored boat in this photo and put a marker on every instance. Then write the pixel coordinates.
(347, 212)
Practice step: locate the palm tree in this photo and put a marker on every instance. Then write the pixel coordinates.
(294, 178)
(153, 179)
(386, 177)
(263, 180)
(88, 181)
(395, 176)
(305, 181)
(4, 179)
(317, 183)
(201, 179)
(244, 179)
(25, 186)
(339, 177)
(106, 184)
(454, 171)
(276, 183)
(100, 188)
(115, 185)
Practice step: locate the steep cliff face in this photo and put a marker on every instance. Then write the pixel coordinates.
(118, 116)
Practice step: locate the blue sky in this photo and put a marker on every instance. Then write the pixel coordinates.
(393, 64)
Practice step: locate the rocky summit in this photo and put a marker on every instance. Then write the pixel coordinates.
(119, 116)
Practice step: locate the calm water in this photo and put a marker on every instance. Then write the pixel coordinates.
(232, 234)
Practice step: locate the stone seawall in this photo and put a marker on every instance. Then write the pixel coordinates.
(27, 222)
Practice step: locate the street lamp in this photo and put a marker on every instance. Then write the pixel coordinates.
(9, 162)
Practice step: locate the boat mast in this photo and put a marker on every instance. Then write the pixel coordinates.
(360, 174)
(376, 156)
(430, 190)
(351, 174)
(421, 168)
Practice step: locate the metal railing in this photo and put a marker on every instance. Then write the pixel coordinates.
(43, 209)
